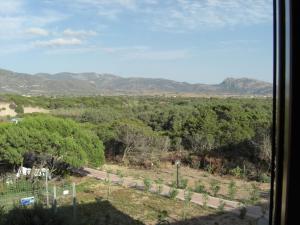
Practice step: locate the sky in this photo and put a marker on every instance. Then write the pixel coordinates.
(196, 41)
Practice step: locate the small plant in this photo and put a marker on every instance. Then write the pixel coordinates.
(187, 198)
(159, 186)
(237, 172)
(173, 193)
(221, 206)
(108, 183)
(147, 184)
(264, 178)
(232, 189)
(119, 173)
(162, 218)
(183, 183)
(254, 194)
(209, 169)
(215, 187)
(205, 200)
(199, 187)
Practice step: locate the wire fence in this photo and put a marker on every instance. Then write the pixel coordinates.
(23, 192)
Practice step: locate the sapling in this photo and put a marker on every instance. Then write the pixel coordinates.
(215, 187)
(199, 187)
(173, 193)
(232, 188)
(187, 198)
(159, 186)
(147, 184)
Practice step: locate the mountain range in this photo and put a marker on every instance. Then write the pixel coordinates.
(107, 84)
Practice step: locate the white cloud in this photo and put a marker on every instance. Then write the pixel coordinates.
(58, 42)
(37, 31)
(79, 33)
(146, 53)
(195, 14)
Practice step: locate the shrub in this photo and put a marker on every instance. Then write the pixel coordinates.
(19, 109)
(187, 198)
(253, 194)
(232, 189)
(147, 184)
(215, 187)
(199, 187)
(173, 193)
(237, 172)
(159, 185)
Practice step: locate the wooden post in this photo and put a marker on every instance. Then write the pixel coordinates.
(47, 192)
(54, 200)
(74, 200)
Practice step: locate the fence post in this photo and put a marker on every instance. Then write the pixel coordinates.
(74, 200)
(54, 200)
(47, 192)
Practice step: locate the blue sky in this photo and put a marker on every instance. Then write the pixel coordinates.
(198, 41)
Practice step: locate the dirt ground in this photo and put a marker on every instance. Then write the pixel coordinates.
(145, 207)
(168, 175)
(6, 111)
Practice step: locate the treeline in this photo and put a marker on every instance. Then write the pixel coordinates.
(221, 135)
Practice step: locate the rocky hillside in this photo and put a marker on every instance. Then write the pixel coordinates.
(107, 84)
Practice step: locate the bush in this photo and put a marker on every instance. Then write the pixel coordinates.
(232, 190)
(19, 109)
(215, 187)
(199, 187)
(237, 172)
(159, 185)
(253, 194)
(147, 184)
(173, 193)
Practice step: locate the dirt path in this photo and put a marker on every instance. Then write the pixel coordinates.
(197, 198)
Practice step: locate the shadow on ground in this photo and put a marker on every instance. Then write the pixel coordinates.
(101, 212)
(96, 213)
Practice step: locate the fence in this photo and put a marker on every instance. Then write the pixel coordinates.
(22, 192)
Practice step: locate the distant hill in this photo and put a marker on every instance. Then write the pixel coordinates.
(107, 84)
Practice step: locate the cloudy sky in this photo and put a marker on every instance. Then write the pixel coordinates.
(185, 40)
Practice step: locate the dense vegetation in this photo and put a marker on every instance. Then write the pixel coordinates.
(51, 140)
(222, 135)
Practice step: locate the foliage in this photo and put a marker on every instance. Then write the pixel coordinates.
(254, 194)
(159, 185)
(138, 130)
(214, 187)
(19, 109)
(199, 187)
(232, 189)
(52, 139)
(173, 193)
(147, 184)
